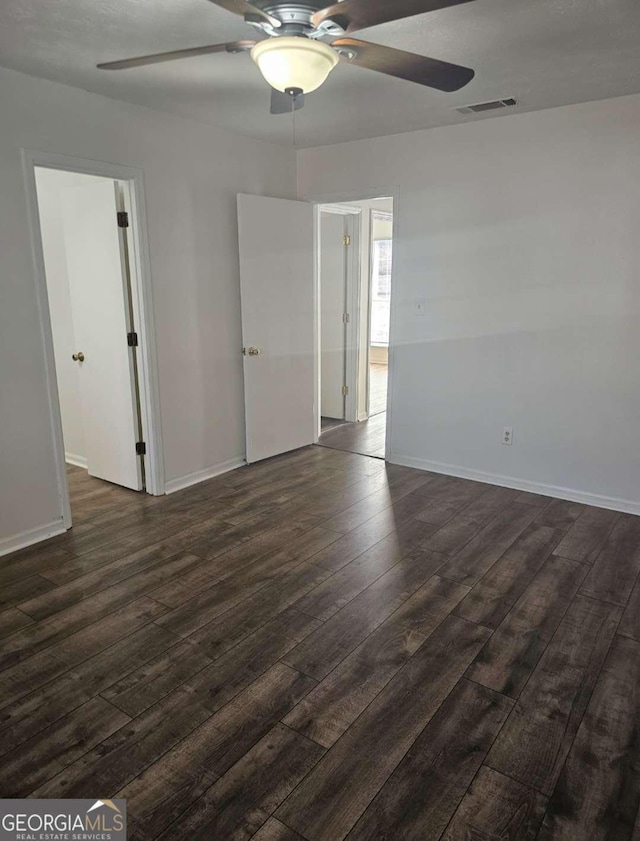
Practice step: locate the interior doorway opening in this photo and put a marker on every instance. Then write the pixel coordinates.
(86, 239)
(355, 266)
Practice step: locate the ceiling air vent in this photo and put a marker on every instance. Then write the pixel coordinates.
(496, 105)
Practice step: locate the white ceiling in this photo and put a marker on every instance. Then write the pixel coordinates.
(543, 52)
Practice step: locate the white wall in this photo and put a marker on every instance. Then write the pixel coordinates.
(192, 175)
(521, 236)
(50, 182)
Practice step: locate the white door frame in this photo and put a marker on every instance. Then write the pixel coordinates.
(353, 227)
(340, 199)
(141, 290)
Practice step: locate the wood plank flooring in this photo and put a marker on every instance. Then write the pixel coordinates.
(324, 647)
(366, 438)
(378, 383)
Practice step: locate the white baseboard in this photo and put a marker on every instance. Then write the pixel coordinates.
(31, 536)
(613, 503)
(182, 482)
(362, 416)
(77, 461)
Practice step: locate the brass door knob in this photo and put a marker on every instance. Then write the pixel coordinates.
(78, 357)
(252, 351)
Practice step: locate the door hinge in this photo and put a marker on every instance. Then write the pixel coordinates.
(346, 317)
(345, 390)
(132, 339)
(123, 219)
(346, 239)
(141, 448)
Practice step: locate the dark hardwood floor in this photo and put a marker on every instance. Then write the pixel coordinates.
(330, 423)
(366, 438)
(323, 647)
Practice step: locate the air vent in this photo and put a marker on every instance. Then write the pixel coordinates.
(496, 105)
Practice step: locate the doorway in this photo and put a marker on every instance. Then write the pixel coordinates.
(96, 326)
(355, 287)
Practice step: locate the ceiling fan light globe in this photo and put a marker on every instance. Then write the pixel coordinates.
(294, 62)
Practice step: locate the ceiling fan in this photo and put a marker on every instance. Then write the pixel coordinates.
(303, 40)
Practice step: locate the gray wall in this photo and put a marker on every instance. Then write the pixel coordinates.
(521, 236)
(192, 175)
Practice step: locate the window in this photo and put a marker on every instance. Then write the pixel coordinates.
(381, 291)
(382, 269)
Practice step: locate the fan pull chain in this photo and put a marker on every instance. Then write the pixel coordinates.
(294, 93)
(293, 120)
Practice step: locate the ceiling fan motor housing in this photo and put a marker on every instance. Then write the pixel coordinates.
(297, 18)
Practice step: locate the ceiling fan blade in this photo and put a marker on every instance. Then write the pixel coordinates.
(353, 15)
(243, 8)
(281, 102)
(174, 55)
(414, 68)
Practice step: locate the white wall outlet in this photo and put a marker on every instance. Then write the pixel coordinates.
(507, 435)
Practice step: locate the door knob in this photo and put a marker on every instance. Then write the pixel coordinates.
(78, 357)
(251, 351)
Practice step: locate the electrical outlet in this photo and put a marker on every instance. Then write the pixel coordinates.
(421, 306)
(507, 436)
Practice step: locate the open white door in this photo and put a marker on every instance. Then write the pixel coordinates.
(100, 303)
(333, 294)
(276, 283)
